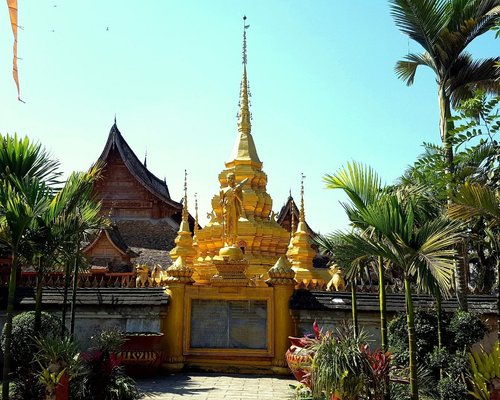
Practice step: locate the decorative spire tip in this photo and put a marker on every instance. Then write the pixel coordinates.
(302, 213)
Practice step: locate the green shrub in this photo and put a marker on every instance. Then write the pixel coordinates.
(23, 336)
(459, 331)
(106, 378)
(466, 328)
(452, 389)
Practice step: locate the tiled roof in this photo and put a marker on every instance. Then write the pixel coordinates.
(330, 301)
(140, 297)
(155, 185)
(114, 236)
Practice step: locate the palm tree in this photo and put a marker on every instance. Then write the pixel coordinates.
(444, 29)
(25, 170)
(363, 186)
(327, 245)
(52, 230)
(476, 200)
(20, 207)
(420, 250)
(75, 221)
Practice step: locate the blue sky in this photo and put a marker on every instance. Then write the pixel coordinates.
(321, 75)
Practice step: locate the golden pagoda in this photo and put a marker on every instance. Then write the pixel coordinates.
(184, 241)
(250, 224)
(301, 254)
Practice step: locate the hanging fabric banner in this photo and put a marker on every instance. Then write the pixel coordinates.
(13, 21)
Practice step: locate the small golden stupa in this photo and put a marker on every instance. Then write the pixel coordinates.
(184, 240)
(301, 254)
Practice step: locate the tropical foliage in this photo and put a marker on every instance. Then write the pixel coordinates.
(37, 217)
(444, 29)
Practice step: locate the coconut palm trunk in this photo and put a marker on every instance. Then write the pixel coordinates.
(412, 341)
(354, 307)
(8, 328)
(382, 306)
(38, 301)
(67, 276)
(74, 292)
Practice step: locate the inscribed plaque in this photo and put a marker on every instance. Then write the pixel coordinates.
(231, 324)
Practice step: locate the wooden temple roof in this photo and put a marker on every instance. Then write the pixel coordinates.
(115, 238)
(286, 212)
(152, 183)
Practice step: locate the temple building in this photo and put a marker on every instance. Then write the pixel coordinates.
(139, 202)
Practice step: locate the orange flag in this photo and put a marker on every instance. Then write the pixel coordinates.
(13, 21)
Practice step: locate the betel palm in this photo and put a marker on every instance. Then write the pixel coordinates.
(476, 200)
(363, 186)
(52, 231)
(420, 249)
(26, 171)
(444, 29)
(21, 203)
(77, 216)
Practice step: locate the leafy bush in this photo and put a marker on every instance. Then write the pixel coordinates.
(339, 366)
(452, 389)
(23, 336)
(467, 329)
(459, 331)
(106, 378)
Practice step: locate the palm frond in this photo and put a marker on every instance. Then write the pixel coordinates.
(360, 182)
(421, 20)
(406, 69)
(23, 159)
(474, 200)
(467, 75)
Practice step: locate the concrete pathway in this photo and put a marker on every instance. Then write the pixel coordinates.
(214, 386)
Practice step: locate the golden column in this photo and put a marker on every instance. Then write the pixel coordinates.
(281, 279)
(179, 274)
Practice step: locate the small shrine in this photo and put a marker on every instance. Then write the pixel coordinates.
(231, 282)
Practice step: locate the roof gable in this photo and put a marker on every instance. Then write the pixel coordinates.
(286, 212)
(112, 235)
(138, 170)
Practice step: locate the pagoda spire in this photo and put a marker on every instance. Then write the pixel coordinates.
(244, 115)
(184, 205)
(302, 214)
(184, 241)
(196, 214)
(300, 252)
(244, 149)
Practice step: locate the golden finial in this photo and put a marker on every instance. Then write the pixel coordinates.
(292, 208)
(245, 27)
(244, 116)
(302, 216)
(184, 206)
(196, 214)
